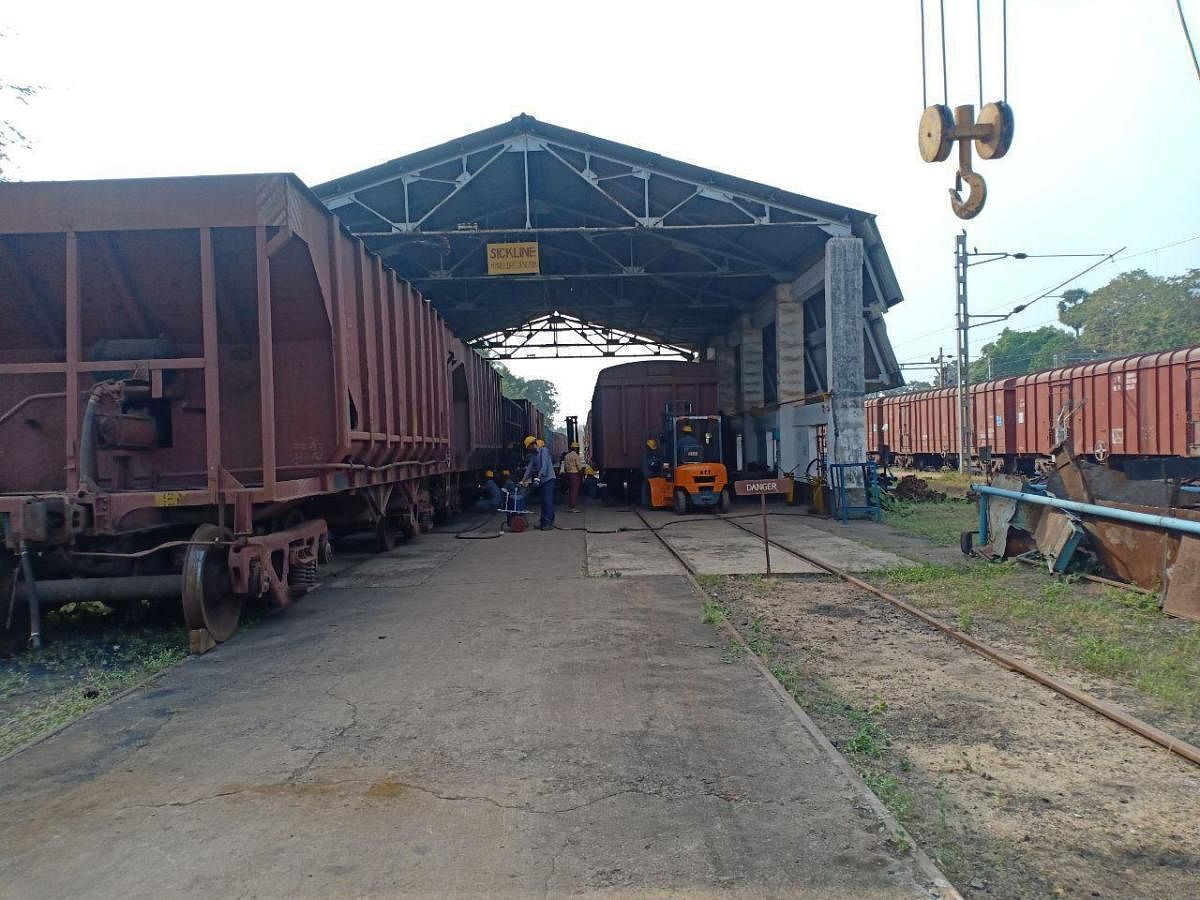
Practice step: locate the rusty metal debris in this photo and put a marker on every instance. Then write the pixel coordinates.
(1140, 547)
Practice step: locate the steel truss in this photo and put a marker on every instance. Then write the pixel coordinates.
(647, 245)
(548, 336)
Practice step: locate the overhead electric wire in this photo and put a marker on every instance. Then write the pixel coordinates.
(1194, 237)
(1021, 307)
(1188, 35)
(1119, 257)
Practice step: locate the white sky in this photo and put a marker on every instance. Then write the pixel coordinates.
(820, 98)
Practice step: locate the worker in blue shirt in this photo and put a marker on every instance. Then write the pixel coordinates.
(541, 470)
(493, 498)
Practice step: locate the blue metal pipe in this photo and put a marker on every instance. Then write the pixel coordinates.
(1169, 523)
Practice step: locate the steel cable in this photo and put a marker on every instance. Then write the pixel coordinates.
(979, 45)
(945, 77)
(924, 76)
(1004, 8)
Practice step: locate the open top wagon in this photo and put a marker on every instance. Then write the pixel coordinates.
(199, 379)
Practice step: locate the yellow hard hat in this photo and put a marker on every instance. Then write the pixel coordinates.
(489, 474)
(574, 445)
(687, 427)
(530, 440)
(505, 472)
(652, 444)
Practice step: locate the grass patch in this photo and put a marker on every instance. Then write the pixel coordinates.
(1119, 634)
(941, 523)
(733, 652)
(43, 690)
(710, 582)
(760, 643)
(869, 747)
(714, 613)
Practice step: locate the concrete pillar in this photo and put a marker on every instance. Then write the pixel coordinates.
(789, 355)
(751, 387)
(844, 348)
(727, 399)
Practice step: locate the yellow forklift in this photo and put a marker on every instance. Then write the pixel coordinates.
(684, 468)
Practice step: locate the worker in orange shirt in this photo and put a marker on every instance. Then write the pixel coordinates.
(572, 467)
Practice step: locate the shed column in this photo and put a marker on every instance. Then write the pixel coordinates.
(751, 383)
(844, 348)
(726, 356)
(789, 354)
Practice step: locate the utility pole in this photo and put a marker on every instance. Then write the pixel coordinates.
(963, 319)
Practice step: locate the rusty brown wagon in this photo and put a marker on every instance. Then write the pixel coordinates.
(200, 379)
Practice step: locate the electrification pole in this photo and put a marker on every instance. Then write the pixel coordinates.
(963, 319)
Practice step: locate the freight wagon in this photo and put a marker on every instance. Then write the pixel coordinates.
(628, 404)
(1137, 407)
(202, 378)
(521, 419)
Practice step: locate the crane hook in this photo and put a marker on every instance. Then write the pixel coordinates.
(971, 207)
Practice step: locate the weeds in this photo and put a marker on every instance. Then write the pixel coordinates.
(714, 612)
(1119, 634)
(1106, 657)
(43, 690)
(760, 644)
(941, 523)
(871, 740)
(733, 652)
(887, 787)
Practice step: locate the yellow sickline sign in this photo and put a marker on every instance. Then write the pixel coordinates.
(513, 259)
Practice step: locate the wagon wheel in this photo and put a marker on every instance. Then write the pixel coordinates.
(410, 524)
(385, 535)
(208, 598)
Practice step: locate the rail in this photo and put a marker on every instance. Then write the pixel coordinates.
(1175, 745)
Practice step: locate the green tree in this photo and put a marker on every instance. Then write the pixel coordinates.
(1019, 352)
(1071, 299)
(1137, 313)
(542, 393)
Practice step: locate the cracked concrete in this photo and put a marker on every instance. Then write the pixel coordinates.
(456, 719)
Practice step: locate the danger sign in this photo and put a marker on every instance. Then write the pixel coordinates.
(761, 486)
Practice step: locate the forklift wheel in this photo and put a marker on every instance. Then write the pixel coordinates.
(681, 502)
(726, 502)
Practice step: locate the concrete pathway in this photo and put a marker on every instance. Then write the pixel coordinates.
(458, 718)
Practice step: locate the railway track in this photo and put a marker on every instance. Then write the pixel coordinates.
(1177, 746)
